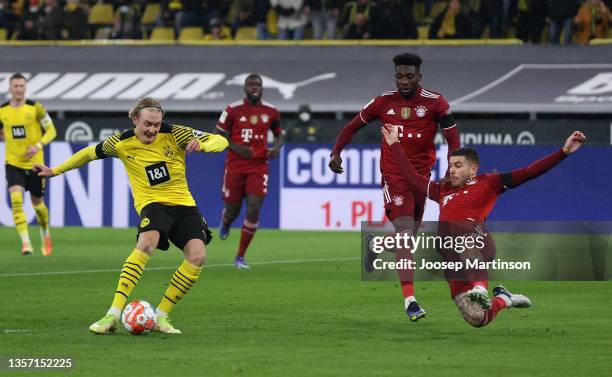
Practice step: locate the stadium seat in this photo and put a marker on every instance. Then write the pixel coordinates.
(100, 20)
(423, 32)
(101, 14)
(150, 14)
(191, 34)
(3, 34)
(162, 34)
(149, 18)
(246, 34)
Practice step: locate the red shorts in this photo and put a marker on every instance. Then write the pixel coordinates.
(400, 200)
(237, 185)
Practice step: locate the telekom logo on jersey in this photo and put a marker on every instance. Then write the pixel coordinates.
(247, 134)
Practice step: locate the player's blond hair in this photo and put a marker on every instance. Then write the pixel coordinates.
(146, 103)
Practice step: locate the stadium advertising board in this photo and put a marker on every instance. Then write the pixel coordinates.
(205, 78)
(312, 197)
(305, 194)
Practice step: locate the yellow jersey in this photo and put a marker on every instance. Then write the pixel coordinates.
(28, 124)
(156, 171)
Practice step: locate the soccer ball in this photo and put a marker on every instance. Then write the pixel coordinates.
(139, 317)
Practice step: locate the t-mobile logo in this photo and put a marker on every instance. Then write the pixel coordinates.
(247, 134)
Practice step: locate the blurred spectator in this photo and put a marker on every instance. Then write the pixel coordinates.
(191, 14)
(216, 31)
(168, 13)
(323, 17)
(215, 10)
(27, 31)
(52, 20)
(291, 18)
(592, 20)
(393, 19)
(252, 14)
(350, 11)
(561, 14)
(483, 13)
(531, 19)
(304, 129)
(260, 14)
(8, 18)
(359, 28)
(75, 20)
(127, 20)
(450, 24)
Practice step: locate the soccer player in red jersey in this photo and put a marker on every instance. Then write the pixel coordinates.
(416, 112)
(469, 197)
(245, 124)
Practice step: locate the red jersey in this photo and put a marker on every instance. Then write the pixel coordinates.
(248, 125)
(470, 202)
(475, 199)
(416, 118)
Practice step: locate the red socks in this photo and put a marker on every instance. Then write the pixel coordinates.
(246, 235)
(497, 304)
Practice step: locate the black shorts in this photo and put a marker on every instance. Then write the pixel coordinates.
(179, 224)
(28, 179)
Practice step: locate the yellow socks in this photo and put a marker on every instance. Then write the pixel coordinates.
(19, 216)
(130, 275)
(42, 216)
(181, 282)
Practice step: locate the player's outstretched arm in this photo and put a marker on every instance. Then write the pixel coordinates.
(49, 131)
(344, 137)
(207, 143)
(77, 160)
(408, 172)
(241, 150)
(278, 143)
(537, 168)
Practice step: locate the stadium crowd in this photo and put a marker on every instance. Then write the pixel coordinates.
(532, 21)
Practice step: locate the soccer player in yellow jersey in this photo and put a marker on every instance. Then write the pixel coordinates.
(27, 128)
(153, 153)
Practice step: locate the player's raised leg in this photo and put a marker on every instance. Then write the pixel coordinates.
(249, 227)
(181, 282)
(19, 218)
(131, 272)
(478, 316)
(233, 194)
(405, 224)
(228, 215)
(42, 216)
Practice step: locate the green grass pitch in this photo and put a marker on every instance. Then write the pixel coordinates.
(301, 310)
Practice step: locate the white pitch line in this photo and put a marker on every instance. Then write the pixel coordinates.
(289, 261)
(488, 86)
(11, 331)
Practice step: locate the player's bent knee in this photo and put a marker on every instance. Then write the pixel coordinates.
(472, 313)
(195, 252)
(147, 241)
